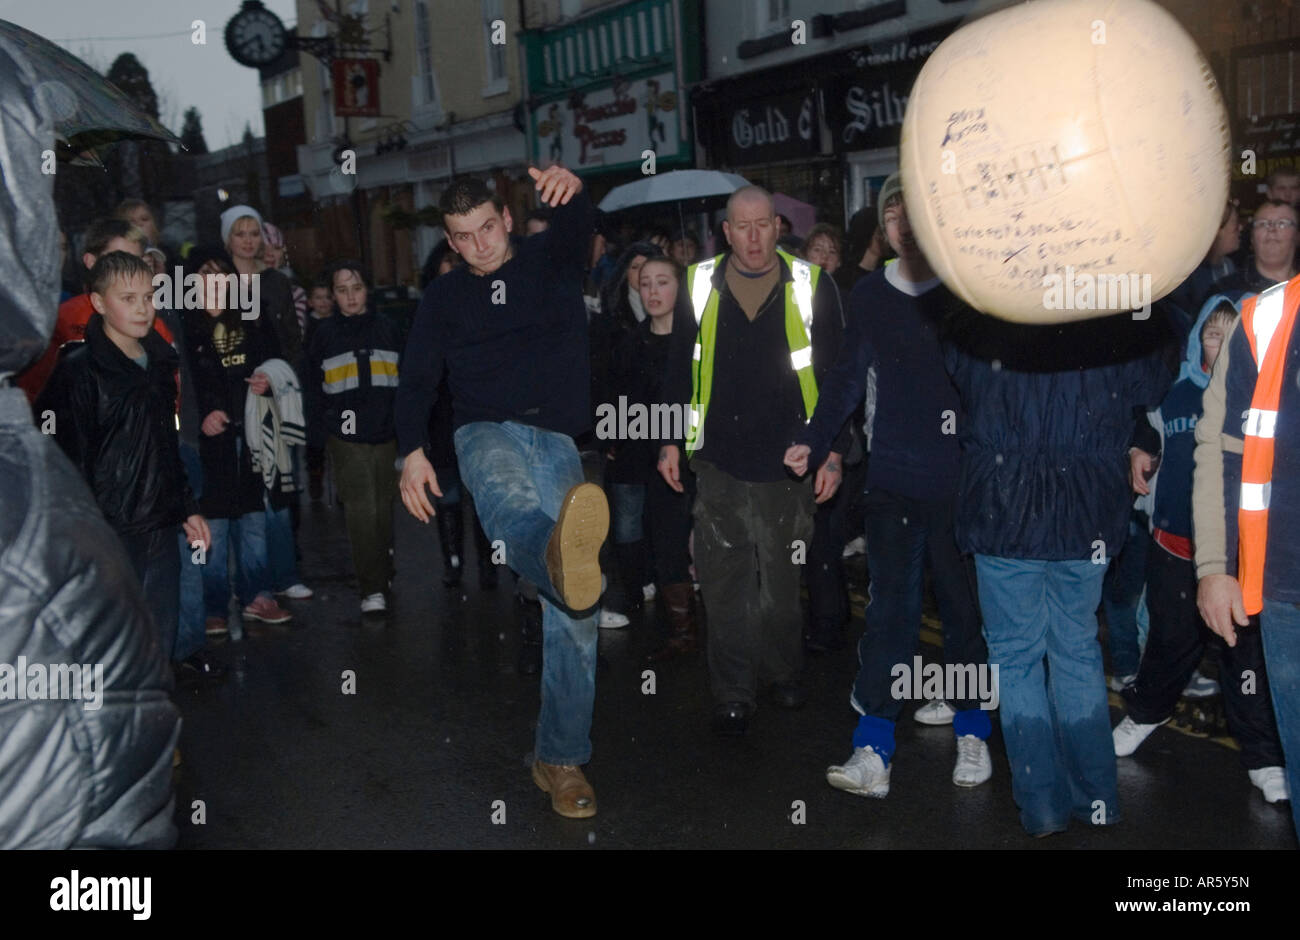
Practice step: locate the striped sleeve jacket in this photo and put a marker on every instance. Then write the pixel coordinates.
(351, 381)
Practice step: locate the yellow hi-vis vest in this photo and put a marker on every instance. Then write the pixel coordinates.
(798, 332)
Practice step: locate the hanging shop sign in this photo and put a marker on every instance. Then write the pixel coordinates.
(356, 87)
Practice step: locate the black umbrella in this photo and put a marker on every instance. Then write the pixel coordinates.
(90, 112)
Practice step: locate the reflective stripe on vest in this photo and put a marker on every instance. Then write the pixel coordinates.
(799, 292)
(1268, 319)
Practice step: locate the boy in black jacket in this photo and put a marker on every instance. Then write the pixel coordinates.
(350, 384)
(113, 403)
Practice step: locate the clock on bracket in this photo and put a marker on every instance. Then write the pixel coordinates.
(255, 36)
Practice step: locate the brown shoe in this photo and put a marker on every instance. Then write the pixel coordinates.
(571, 794)
(682, 629)
(216, 626)
(573, 553)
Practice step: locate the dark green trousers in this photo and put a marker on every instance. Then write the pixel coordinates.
(367, 482)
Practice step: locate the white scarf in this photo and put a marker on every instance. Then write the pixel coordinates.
(634, 299)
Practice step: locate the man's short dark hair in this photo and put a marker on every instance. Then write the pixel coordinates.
(103, 231)
(115, 266)
(465, 194)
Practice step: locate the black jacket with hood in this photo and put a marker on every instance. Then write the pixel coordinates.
(117, 424)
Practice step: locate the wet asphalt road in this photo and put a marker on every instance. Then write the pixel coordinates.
(440, 728)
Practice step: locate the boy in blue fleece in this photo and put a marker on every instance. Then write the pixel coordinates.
(1178, 635)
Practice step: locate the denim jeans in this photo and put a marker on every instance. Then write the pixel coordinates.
(247, 537)
(190, 634)
(191, 637)
(902, 534)
(1055, 720)
(628, 509)
(1123, 600)
(281, 555)
(1280, 625)
(518, 476)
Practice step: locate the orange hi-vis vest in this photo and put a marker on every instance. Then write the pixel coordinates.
(1268, 319)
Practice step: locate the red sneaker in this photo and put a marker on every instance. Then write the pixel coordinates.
(267, 611)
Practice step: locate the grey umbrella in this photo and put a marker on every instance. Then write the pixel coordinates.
(89, 111)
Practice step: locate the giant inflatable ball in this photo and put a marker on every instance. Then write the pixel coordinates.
(1065, 159)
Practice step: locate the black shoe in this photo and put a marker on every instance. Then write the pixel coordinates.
(789, 694)
(731, 718)
(200, 668)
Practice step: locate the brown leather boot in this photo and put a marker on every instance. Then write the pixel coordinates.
(682, 630)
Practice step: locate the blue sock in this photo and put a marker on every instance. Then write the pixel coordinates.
(972, 721)
(877, 734)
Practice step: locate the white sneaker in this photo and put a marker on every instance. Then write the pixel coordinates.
(935, 712)
(1271, 782)
(612, 620)
(1120, 683)
(648, 591)
(1200, 687)
(296, 592)
(857, 546)
(373, 604)
(864, 774)
(974, 765)
(1129, 735)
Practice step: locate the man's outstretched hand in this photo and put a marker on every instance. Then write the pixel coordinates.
(417, 472)
(555, 184)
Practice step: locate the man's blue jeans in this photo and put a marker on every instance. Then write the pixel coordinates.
(1055, 720)
(1279, 624)
(248, 536)
(518, 476)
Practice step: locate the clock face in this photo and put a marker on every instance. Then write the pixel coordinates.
(255, 37)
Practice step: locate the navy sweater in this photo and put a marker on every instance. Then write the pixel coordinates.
(914, 445)
(524, 359)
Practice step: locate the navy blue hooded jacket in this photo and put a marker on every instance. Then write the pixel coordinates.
(1049, 415)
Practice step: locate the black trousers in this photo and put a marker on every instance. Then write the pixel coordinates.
(828, 595)
(668, 523)
(749, 565)
(902, 534)
(157, 565)
(1175, 645)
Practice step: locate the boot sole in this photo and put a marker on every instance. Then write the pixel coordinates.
(577, 812)
(573, 553)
